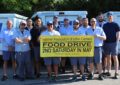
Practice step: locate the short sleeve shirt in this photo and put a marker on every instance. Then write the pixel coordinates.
(7, 38)
(98, 31)
(110, 30)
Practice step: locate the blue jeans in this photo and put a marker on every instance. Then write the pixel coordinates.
(24, 63)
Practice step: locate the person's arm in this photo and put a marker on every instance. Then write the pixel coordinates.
(26, 40)
(17, 40)
(100, 37)
(118, 37)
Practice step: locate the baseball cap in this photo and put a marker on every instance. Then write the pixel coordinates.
(49, 22)
(22, 22)
(76, 21)
(55, 16)
(109, 14)
(66, 19)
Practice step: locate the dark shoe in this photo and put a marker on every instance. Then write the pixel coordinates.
(15, 76)
(30, 78)
(90, 76)
(50, 79)
(38, 75)
(63, 70)
(108, 74)
(101, 77)
(116, 76)
(84, 78)
(21, 79)
(74, 78)
(4, 78)
(103, 73)
(55, 78)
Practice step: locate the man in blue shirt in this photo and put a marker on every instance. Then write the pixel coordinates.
(112, 31)
(8, 48)
(56, 23)
(99, 36)
(75, 60)
(100, 21)
(63, 31)
(22, 49)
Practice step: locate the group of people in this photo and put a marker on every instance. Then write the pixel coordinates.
(22, 43)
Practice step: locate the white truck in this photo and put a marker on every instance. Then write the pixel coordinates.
(16, 19)
(116, 15)
(48, 15)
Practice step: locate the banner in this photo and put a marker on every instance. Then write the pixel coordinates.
(67, 46)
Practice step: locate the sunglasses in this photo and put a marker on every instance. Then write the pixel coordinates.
(92, 21)
(75, 24)
(50, 24)
(23, 24)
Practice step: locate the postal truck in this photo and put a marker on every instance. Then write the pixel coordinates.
(16, 19)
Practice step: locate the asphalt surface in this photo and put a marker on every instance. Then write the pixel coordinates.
(63, 79)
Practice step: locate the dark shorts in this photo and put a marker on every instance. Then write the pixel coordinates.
(51, 60)
(97, 56)
(110, 49)
(8, 55)
(37, 54)
(79, 60)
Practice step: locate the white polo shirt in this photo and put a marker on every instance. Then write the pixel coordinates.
(50, 33)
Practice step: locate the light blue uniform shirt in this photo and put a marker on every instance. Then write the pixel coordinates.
(7, 38)
(75, 32)
(22, 47)
(83, 29)
(63, 30)
(97, 24)
(98, 31)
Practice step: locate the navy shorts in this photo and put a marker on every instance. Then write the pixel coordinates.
(37, 54)
(97, 56)
(75, 60)
(110, 49)
(8, 55)
(51, 60)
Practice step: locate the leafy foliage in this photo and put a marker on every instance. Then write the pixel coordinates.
(28, 7)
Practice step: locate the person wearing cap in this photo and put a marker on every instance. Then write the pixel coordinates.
(99, 36)
(84, 28)
(22, 49)
(63, 31)
(79, 18)
(35, 32)
(8, 46)
(48, 61)
(110, 47)
(75, 60)
(56, 24)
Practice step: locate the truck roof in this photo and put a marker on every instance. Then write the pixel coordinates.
(12, 15)
(59, 13)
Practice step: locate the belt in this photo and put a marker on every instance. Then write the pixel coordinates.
(20, 52)
(97, 46)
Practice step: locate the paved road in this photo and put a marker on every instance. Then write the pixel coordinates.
(63, 79)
